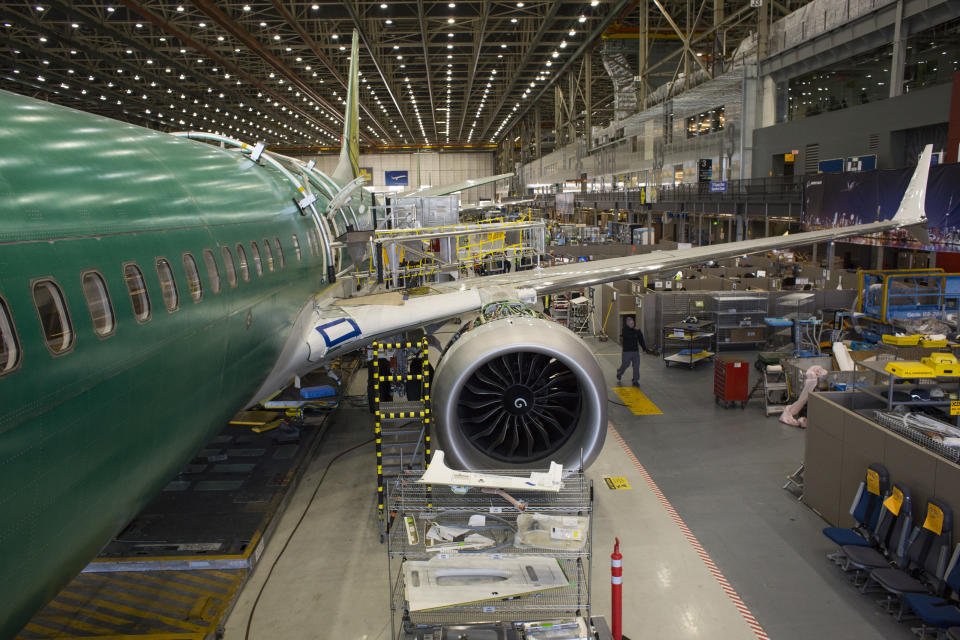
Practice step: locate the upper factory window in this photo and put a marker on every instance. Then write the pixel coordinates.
(229, 266)
(296, 247)
(280, 259)
(213, 272)
(168, 286)
(257, 261)
(193, 277)
(54, 317)
(268, 254)
(242, 261)
(706, 122)
(9, 345)
(138, 291)
(98, 302)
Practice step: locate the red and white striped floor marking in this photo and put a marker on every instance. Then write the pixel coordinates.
(692, 539)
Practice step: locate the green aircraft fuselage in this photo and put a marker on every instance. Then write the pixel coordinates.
(92, 426)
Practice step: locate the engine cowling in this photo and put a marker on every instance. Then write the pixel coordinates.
(518, 392)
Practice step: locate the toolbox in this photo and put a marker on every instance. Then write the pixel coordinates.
(908, 369)
(901, 341)
(944, 364)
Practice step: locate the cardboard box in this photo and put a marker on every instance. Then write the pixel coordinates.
(753, 334)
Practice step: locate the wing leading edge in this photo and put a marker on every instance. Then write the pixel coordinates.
(325, 330)
(447, 189)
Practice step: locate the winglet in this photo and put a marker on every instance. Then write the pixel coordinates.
(348, 167)
(911, 210)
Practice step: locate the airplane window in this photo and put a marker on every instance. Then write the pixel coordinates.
(268, 254)
(229, 266)
(242, 260)
(296, 247)
(98, 302)
(168, 286)
(280, 259)
(54, 318)
(138, 292)
(257, 262)
(309, 243)
(193, 277)
(213, 273)
(9, 346)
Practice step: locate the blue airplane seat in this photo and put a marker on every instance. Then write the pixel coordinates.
(896, 520)
(935, 611)
(866, 507)
(925, 560)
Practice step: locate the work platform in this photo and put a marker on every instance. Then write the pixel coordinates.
(175, 570)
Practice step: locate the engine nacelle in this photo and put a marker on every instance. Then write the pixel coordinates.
(518, 392)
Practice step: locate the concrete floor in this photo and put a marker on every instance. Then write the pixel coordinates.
(721, 469)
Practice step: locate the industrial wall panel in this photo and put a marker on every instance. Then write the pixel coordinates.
(823, 460)
(845, 132)
(423, 169)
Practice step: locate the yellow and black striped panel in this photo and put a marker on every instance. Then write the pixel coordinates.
(171, 605)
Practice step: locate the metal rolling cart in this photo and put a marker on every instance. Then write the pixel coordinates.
(419, 506)
(687, 343)
(887, 392)
(731, 381)
(738, 319)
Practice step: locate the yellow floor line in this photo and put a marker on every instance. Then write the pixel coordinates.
(78, 625)
(88, 612)
(638, 403)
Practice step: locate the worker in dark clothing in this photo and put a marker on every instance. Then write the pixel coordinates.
(631, 339)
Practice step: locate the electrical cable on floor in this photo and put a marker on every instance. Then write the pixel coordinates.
(306, 509)
(615, 402)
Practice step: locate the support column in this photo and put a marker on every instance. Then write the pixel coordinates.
(729, 230)
(717, 49)
(687, 53)
(766, 220)
(878, 257)
(538, 134)
(588, 100)
(899, 53)
(831, 250)
(642, 51)
(763, 29)
(557, 117)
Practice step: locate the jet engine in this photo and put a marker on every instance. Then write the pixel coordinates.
(516, 390)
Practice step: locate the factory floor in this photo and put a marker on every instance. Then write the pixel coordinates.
(712, 546)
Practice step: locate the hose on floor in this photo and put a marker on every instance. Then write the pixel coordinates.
(306, 509)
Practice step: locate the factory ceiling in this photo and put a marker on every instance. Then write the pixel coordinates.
(451, 73)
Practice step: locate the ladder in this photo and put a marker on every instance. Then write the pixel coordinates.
(774, 387)
(402, 427)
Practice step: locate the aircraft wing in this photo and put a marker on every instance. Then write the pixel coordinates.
(327, 330)
(446, 189)
(578, 274)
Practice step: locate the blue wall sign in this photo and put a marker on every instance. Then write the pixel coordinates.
(396, 178)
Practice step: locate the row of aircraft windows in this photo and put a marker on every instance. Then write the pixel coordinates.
(55, 316)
